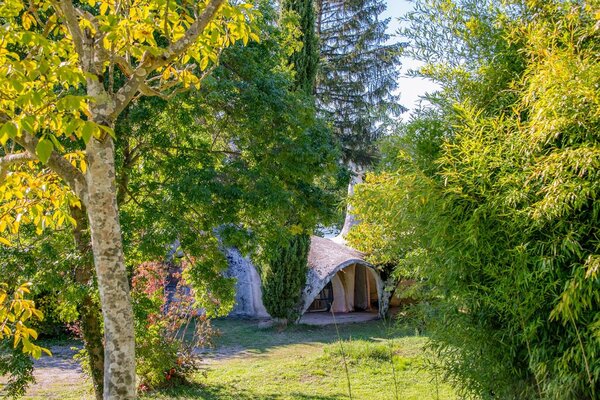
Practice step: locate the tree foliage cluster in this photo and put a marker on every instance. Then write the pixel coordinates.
(68, 72)
(284, 278)
(489, 195)
(244, 162)
(17, 337)
(346, 67)
(357, 75)
(244, 153)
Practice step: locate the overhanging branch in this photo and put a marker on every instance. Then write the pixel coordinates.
(150, 63)
(70, 15)
(62, 167)
(12, 159)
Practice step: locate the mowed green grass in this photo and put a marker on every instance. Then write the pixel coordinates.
(301, 362)
(304, 362)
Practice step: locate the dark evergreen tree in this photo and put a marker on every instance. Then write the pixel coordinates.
(305, 60)
(284, 278)
(358, 74)
(284, 272)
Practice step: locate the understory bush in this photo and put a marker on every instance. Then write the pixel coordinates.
(168, 327)
(284, 277)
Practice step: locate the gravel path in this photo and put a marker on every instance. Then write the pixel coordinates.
(58, 374)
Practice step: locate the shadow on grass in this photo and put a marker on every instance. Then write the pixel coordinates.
(222, 392)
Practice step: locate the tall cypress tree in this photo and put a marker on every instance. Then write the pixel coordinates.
(284, 276)
(306, 60)
(358, 74)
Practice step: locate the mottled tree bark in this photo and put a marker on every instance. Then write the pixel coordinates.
(89, 310)
(113, 284)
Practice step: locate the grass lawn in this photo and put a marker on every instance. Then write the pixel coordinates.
(305, 362)
(302, 362)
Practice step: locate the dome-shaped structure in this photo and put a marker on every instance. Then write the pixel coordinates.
(339, 279)
(351, 283)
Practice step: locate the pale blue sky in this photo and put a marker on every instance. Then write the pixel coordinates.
(410, 88)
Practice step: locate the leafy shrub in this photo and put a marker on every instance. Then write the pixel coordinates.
(506, 207)
(18, 367)
(168, 327)
(284, 277)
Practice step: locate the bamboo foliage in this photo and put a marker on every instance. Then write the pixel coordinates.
(507, 210)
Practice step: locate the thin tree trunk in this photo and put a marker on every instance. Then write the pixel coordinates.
(89, 310)
(319, 12)
(384, 304)
(388, 290)
(89, 317)
(113, 285)
(358, 173)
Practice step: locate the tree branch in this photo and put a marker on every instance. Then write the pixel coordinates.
(123, 65)
(70, 15)
(150, 63)
(63, 168)
(195, 30)
(12, 159)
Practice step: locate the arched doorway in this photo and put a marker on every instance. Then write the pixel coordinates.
(323, 301)
(353, 288)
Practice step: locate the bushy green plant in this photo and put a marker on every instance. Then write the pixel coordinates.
(506, 212)
(284, 277)
(18, 367)
(168, 328)
(156, 359)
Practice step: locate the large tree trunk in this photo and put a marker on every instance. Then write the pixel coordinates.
(89, 310)
(113, 285)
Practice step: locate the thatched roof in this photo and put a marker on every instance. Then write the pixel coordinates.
(326, 256)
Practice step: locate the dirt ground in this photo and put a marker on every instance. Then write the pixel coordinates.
(58, 374)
